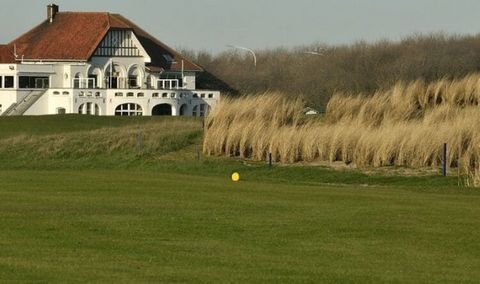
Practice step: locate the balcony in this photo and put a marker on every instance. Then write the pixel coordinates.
(125, 83)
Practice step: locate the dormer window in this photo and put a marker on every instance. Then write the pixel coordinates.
(168, 58)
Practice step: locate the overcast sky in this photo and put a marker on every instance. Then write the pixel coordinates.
(212, 24)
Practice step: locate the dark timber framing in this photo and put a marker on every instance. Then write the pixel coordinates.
(118, 43)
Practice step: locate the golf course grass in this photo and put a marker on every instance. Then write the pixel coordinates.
(107, 200)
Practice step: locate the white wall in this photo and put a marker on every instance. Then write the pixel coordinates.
(7, 96)
(40, 107)
(190, 83)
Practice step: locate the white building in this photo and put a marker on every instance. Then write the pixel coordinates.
(99, 64)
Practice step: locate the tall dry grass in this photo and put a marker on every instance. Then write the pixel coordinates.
(405, 125)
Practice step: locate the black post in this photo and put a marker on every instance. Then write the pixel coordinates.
(270, 160)
(444, 168)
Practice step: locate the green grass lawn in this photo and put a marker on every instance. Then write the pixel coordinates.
(157, 214)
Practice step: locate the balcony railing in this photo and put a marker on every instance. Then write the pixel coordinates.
(125, 83)
(168, 84)
(84, 83)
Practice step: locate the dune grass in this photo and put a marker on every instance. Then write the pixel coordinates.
(406, 125)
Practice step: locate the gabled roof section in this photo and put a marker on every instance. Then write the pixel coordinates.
(162, 56)
(75, 36)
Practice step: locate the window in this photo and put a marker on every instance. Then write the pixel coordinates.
(140, 95)
(168, 58)
(56, 93)
(1, 81)
(200, 110)
(149, 81)
(210, 96)
(118, 94)
(170, 80)
(8, 82)
(132, 81)
(81, 94)
(203, 109)
(183, 110)
(89, 108)
(195, 95)
(129, 94)
(172, 95)
(164, 95)
(92, 81)
(155, 95)
(195, 110)
(98, 94)
(76, 81)
(202, 96)
(61, 110)
(128, 110)
(65, 93)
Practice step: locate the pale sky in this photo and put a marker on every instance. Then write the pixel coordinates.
(212, 24)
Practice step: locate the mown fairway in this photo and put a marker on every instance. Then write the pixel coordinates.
(168, 217)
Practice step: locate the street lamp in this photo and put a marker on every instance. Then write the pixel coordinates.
(247, 49)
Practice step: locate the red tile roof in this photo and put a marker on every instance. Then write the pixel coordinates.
(6, 54)
(75, 36)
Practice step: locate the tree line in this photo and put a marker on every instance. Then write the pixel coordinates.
(318, 71)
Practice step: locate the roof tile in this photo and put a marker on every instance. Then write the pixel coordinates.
(76, 35)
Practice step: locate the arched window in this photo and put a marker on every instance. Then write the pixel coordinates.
(162, 109)
(76, 81)
(195, 110)
(97, 110)
(129, 109)
(204, 109)
(149, 81)
(115, 76)
(94, 78)
(135, 79)
(183, 110)
(200, 110)
(89, 108)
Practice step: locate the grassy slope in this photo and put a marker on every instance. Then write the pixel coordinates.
(149, 216)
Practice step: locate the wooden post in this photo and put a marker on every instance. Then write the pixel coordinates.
(444, 166)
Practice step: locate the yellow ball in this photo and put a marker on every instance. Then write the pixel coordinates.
(235, 176)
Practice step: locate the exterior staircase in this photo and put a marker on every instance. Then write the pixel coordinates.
(21, 107)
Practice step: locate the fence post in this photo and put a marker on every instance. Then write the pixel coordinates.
(444, 166)
(270, 160)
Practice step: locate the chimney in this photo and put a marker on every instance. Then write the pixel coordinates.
(52, 10)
